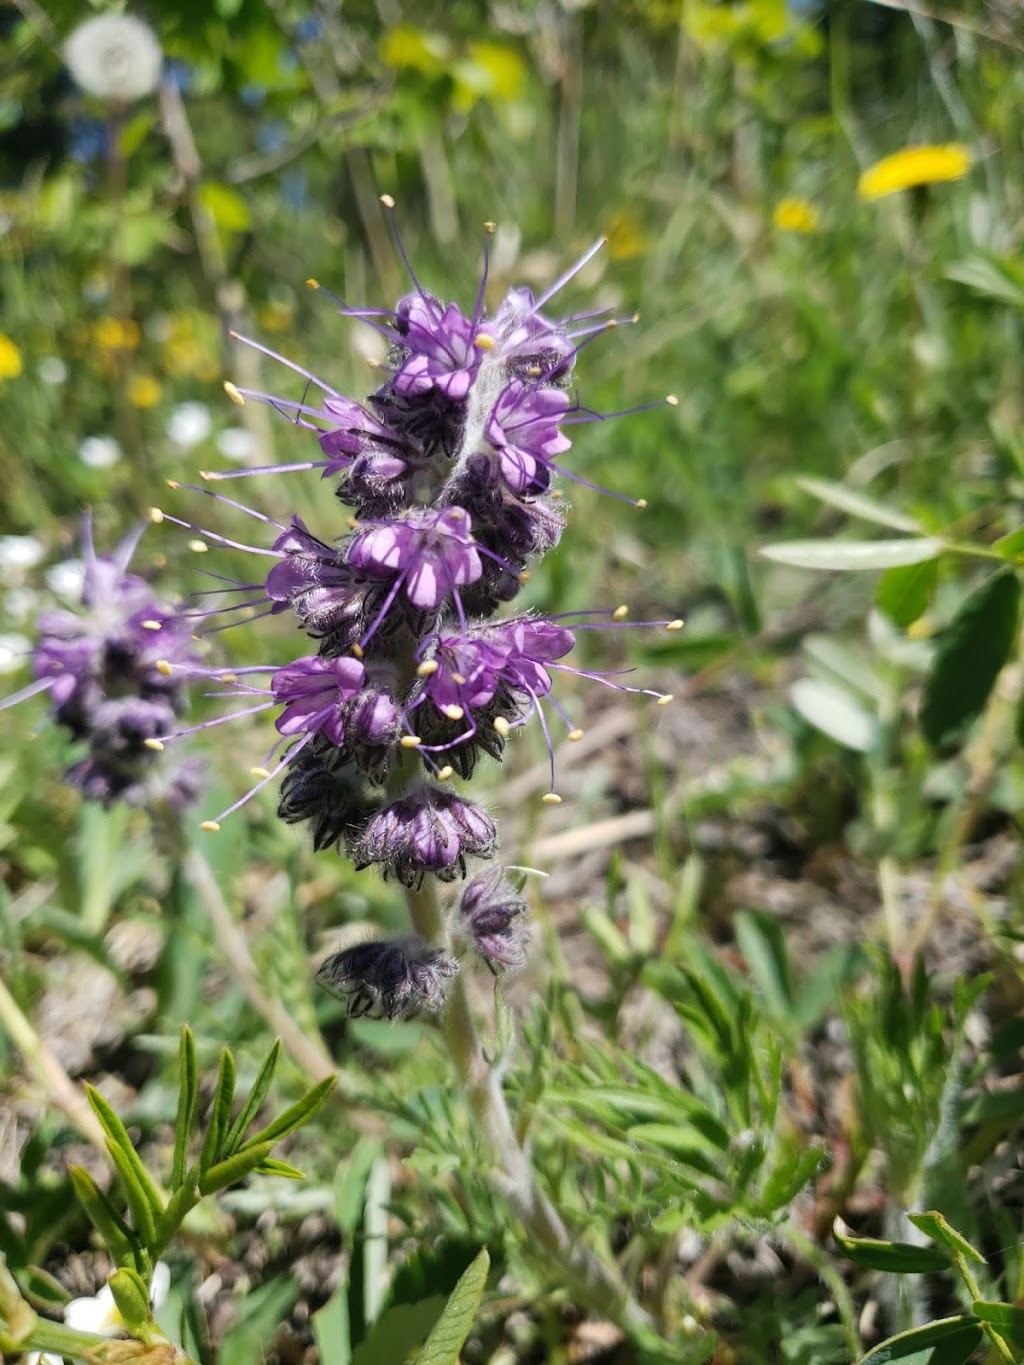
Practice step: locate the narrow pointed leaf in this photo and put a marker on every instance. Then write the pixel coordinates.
(904, 594)
(143, 1215)
(235, 1168)
(255, 1098)
(900, 1258)
(857, 504)
(934, 1225)
(118, 1137)
(180, 1204)
(294, 1117)
(449, 1333)
(273, 1166)
(852, 555)
(971, 652)
(836, 713)
(131, 1296)
(948, 1341)
(188, 1094)
(104, 1217)
(220, 1111)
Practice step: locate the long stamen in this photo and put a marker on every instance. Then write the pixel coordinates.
(290, 364)
(563, 280)
(389, 217)
(157, 515)
(32, 690)
(214, 824)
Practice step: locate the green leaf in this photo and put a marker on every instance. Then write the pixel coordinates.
(857, 504)
(852, 555)
(235, 1168)
(971, 652)
(994, 276)
(449, 1333)
(934, 1225)
(131, 1296)
(1011, 546)
(400, 1328)
(835, 712)
(180, 1204)
(788, 1178)
(118, 1138)
(188, 1095)
(1007, 1320)
(272, 1166)
(256, 1096)
(299, 1113)
(899, 1258)
(220, 1111)
(904, 594)
(763, 945)
(104, 1217)
(143, 1216)
(948, 1341)
(225, 206)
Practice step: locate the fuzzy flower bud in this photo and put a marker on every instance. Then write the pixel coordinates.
(490, 920)
(389, 978)
(429, 830)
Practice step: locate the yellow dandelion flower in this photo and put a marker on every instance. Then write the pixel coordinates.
(10, 358)
(625, 233)
(913, 166)
(796, 215)
(115, 334)
(144, 391)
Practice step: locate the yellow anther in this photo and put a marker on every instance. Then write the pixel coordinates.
(677, 624)
(352, 523)
(164, 667)
(664, 701)
(556, 493)
(210, 826)
(232, 390)
(445, 773)
(198, 547)
(152, 625)
(502, 726)
(173, 483)
(456, 513)
(357, 650)
(208, 476)
(575, 735)
(427, 667)
(453, 712)
(640, 504)
(671, 400)
(155, 744)
(620, 613)
(483, 342)
(551, 799)
(534, 371)
(259, 772)
(387, 201)
(458, 679)
(410, 741)
(524, 577)
(156, 516)
(312, 284)
(490, 227)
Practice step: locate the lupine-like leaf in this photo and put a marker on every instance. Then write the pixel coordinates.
(933, 1225)
(188, 1094)
(118, 1137)
(255, 1098)
(234, 1168)
(857, 504)
(295, 1116)
(104, 1217)
(1007, 1319)
(449, 1333)
(899, 1258)
(848, 556)
(948, 1341)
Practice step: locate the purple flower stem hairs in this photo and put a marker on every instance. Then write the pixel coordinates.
(449, 469)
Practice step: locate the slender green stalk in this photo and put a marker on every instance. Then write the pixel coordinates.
(598, 1285)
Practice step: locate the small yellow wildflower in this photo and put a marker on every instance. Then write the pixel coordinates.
(115, 334)
(144, 391)
(10, 358)
(913, 166)
(625, 233)
(796, 215)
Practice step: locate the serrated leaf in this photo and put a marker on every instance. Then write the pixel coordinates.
(934, 1225)
(118, 1138)
(970, 654)
(449, 1333)
(904, 594)
(254, 1099)
(899, 1258)
(104, 1217)
(948, 1341)
(188, 1095)
(835, 712)
(234, 1168)
(294, 1117)
(1007, 1320)
(846, 556)
(857, 504)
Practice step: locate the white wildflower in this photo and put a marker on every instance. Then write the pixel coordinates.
(99, 452)
(19, 552)
(65, 580)
(14, 650)
(115, 57)
(235, 443)
(52, 370)
(189, 424)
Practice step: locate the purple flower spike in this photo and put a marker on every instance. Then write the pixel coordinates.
(390, 978)
(428, 831)
(430, 553)
(490, 920)
(313, 692)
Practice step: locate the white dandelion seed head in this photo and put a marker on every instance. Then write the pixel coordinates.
(115, 57)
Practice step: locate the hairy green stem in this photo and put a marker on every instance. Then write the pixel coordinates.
(598, 1284)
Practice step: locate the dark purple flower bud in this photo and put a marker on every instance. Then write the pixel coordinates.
(490, 920)
(389, 978)
(332, 797)
(430, 830)
(429, 553)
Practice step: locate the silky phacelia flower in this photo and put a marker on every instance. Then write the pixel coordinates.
(491, 920)
(389, 978)
(108, 671)
(428, 830)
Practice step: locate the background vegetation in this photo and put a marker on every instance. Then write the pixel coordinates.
(777, 964)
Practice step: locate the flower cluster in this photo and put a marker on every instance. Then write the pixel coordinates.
(449, 469)
(107, 669)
